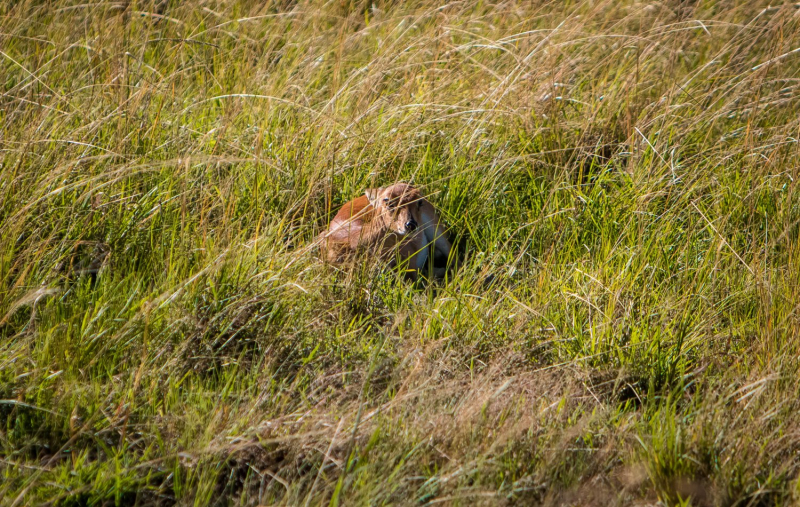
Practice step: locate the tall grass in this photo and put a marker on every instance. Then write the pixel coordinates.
(620, 177)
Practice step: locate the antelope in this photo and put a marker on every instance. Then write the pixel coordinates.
(386, 221)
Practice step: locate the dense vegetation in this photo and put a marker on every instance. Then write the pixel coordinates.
(620, 177)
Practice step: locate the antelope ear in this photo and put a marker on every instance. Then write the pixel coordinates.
(372, 195)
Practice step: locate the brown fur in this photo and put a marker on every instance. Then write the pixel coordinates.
(376, 222)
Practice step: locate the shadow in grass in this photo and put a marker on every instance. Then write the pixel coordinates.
(139, 497)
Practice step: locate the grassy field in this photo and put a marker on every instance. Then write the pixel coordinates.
(620, 176)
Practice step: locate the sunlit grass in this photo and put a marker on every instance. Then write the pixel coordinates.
(619, 177)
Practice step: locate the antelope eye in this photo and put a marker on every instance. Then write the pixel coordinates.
(419, 204)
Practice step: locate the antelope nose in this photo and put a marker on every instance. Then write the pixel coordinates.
(411, 225)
